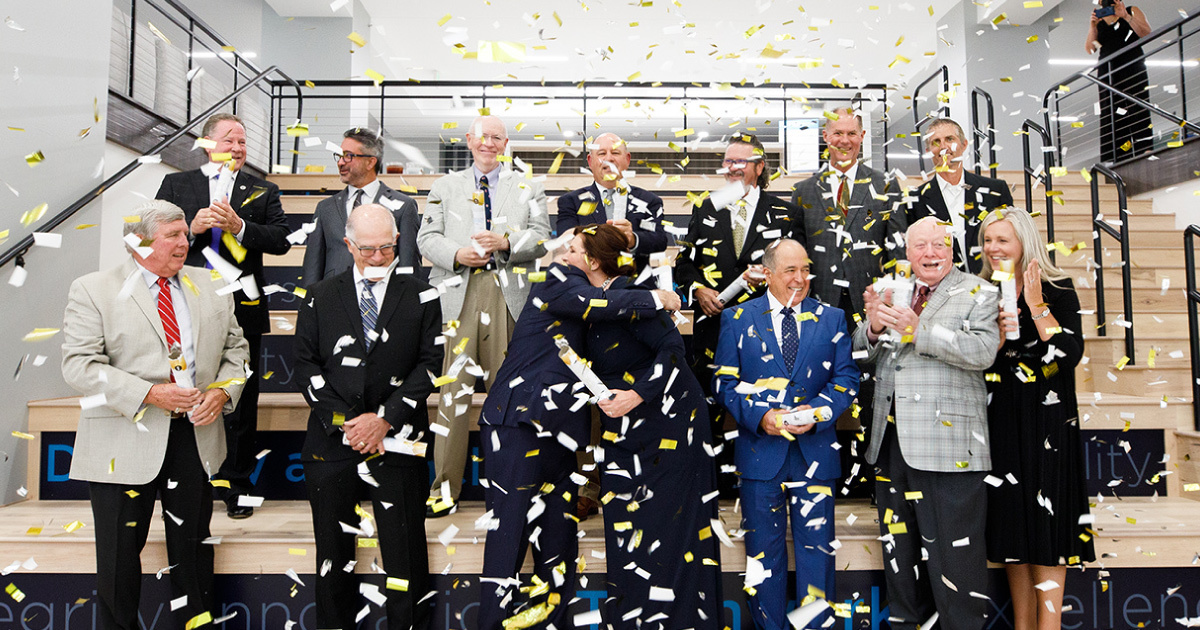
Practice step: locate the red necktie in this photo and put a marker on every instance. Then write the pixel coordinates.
(843, 197)
(920, 299)
(166, 312)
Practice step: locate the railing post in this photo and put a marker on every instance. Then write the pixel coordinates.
(132, 42)
(1122, 235)
(1189, 261)
(1098, 256)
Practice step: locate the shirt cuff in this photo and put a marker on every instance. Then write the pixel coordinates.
(241, 232)
(657, 302)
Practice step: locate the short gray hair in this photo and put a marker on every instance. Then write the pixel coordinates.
(948, 122)
(365, 208)
(768, 259)
(837, 113)
(371, 141)
(152, 215)
(210, 125)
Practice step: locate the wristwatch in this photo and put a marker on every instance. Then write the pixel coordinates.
(1044, 314)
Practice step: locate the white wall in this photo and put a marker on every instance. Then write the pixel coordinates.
(120, 200)
(63, 68)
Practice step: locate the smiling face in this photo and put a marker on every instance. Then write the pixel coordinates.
(742, 164)
(359, 171)
(788, 281)
(1000, 244)
(844, 137)
(168, 251)
(608, 159)
(230, 138)
(487, 140)
(928, 250)
(946, 147)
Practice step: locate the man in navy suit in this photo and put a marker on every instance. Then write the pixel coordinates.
(779, 352)
(636, 212)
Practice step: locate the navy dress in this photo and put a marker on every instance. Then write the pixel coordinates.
(657, 481)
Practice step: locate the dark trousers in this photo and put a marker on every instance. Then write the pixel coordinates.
(516, 483)
(334, 489)
(122, 523)
(952, 507)
(241, 433)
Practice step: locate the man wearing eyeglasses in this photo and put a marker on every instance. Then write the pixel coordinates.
(726, 244)
(359, 163)
(483, 231)
(237, 217)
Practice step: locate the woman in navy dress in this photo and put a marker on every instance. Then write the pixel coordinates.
(1033, 525)
(658, 481)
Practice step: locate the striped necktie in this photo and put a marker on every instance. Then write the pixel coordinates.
(166, 312)
(370, 312)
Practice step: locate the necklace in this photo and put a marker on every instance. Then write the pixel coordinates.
(607, 282)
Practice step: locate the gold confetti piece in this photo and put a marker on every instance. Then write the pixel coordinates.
(296, 130)
(374, 76)
(1031, 39)
(533, 453)
(443, 380)
(556, 17)
(35, 158)
(357, 39)
(16, 129)
(84, 226)
(219, 483)
(1122, 363)
(1131, 520)
(913, 496)
(634, 76)
(339, 419)
(397, 584)
(668, 445)
(445, 18)
(203, 619)
(297, 551)
(449, 125)
(500, 52)
(684, 132)
(1191, 487)
(825, 490)
(364, 543)
(73, 526)
(557, 163)
(40, 334)
(36, 531)
(897, 528)
(1087, 177)
(1033, 4)
(14, 592)
(23, 436)
(231, 243)
(187, 282)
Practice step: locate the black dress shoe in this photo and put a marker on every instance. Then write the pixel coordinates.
(239, 512)
(429, 513)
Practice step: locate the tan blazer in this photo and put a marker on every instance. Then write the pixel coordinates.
(518, 212)
(115, 345)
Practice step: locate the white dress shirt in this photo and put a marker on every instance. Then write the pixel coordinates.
(493, 179)
(212, 171)
(379, 289)
(369, 192)
(751, 199)
(183, 316)
(955, 197)
(834, 179)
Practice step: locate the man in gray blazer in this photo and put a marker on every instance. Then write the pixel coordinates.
(929, 434)
(359, 164)
(159, 356)
(483, 230)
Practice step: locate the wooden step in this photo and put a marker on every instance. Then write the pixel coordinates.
(1144, 300)
(1139, 237)
(1134, 380)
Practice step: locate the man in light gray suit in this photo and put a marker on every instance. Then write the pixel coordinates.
(929, 434)
(483, 229)
(359, 164)
(159, 356)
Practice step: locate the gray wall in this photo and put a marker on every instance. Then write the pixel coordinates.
(63, 65)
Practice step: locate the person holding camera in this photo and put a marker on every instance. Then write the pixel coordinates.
(1124, 125)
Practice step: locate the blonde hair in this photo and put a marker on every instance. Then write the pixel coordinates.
(1032, 245)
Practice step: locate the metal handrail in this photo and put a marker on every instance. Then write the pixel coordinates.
(21, 247)
(1121, 235)
(1046, 177)
(918, 122)
(988, 134)
(1193, 298)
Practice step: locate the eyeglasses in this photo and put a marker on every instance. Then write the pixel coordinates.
(494, 138)
(370, 251)
(347, 156)
(727, 163)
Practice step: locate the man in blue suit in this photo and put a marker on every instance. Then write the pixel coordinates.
(781, 352)
(636, 212)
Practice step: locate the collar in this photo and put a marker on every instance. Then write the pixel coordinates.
(493, 176)
(369, 191)
(210, 169)
(945, 185)
(151, 278)
(751, 198)
(777, 306)
(851, 173)
(382, 282)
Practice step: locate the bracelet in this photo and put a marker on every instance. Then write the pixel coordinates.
(1044, 314)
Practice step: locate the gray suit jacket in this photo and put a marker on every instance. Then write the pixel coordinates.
(325, 253)
(937, 381)
(115, 345)
(518, 212)
(849, 251)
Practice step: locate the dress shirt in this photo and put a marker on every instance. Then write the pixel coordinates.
(211, 170)
(777, 318)
(369, 192)
(955, 197)
(751, 199)
(834, 179)
(493, 179)
(618, 201)
(183, 316)
(379, 289)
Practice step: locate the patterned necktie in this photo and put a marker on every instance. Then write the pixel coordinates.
(791, 338)
(739, 228)
(487, 202)
(608, 205)
(843, 195)
(358, 199)
(920, 299)
(166, 312)
(370, 312)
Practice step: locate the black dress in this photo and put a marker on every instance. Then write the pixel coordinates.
(657, 481)
(1034, 427)
(1126, 72)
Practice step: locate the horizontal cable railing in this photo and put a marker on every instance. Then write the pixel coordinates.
(1103, 227)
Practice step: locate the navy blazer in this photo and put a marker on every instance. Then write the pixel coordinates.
(982, 195)
(647, 220)
(824, 374)
(525, 386)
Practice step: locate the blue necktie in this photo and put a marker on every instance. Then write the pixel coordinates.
(791, 338)
(215, 232)
(487, 202)
(370, 312)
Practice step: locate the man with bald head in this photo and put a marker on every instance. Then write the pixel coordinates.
(786, 469)
(929, 436)
(610, 199)
(483, 230)
(366, 343)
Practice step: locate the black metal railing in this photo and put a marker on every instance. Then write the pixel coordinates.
(1042, 173)
(985, 134)
(1193, 298)
(1122, 235)
(943, 110)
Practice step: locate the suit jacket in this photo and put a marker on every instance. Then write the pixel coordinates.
(709, 246)
(982, 195)
(518, 212)
(824, 374)
(560, 306)
(341, 379)
(646, 217)
(849, 251)
(257, 202)
(325, 253)
(115, 345)
(937, 381)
